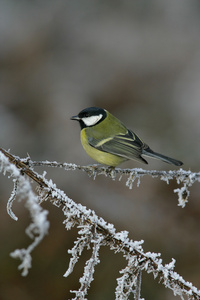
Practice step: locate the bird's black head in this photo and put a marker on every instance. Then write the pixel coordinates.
(90, 116)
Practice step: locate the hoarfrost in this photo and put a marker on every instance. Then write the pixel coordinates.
(39, 226)
(180, 175)
(11, 200)
(183, 195)
(26, 259)
(95, 232)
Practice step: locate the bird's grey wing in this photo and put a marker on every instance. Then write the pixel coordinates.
(128, 146)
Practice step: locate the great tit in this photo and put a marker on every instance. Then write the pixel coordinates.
(107, 140)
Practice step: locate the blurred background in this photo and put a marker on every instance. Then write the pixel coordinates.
(141, 61)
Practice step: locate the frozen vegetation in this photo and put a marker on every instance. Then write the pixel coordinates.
(94, 232)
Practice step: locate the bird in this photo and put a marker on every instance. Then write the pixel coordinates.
(108, 141)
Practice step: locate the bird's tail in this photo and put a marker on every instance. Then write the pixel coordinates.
(169, 160)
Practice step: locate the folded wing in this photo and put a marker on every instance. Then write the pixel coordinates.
(129, 146)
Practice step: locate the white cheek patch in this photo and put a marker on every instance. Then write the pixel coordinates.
(90, 121)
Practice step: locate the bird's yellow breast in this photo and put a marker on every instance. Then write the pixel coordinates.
(100, 156)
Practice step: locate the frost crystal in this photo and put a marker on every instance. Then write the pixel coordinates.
(11, 200)
(183, 195)
(26, 259)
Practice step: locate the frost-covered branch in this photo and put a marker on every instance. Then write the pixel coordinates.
(187, 178)
(39, 226)
(94, 233)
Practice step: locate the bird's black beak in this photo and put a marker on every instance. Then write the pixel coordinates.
(76, 118)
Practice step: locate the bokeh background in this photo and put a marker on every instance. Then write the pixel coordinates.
(141, 61)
